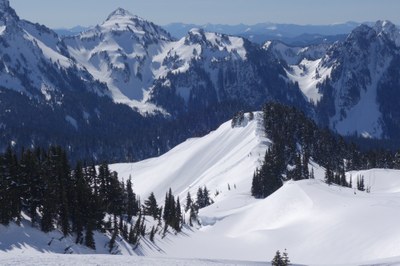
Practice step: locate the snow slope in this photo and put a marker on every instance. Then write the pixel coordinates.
(316, 223)
(309, 74)
(225, 156)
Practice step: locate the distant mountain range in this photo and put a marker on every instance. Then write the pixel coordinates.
(130, 83)
(289, 33)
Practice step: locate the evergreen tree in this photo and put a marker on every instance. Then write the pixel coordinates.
(200, 199)
(285, 258)
(178, 216)
(268, 178)
(280, 260)
(151, 206)
(189, 202)
(152, 234)
(277, 260)
(360, 183)
(312, 176)
(329, 176)
(132, 205)
(89, 239)
(192, 215)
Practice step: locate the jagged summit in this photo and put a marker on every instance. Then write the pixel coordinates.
(122, 20)
(389, 29)
(7, 13)
(121, 12)
(4, 4)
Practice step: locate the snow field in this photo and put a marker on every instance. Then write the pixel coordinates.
(316, 223)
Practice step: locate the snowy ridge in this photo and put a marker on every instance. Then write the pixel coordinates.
(34, 59)
(316, 223)
(227, 155)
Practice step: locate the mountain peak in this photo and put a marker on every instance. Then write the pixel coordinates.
(4, 4)
(118, 13)
(7, 14)
(389, 29)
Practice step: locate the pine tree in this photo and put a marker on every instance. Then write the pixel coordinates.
(192, 215)
(277, 260)
(280, 260)
(151, 206)
(285, 258)
(89, 237)
(200, 198)
(268, 179)
(360, 183)
(312, 176)
(206, 197)
(152, 234)
(256, 185)
(178, 216)
(111, 244)
(189, 202)
(297, 172)
(132, 206)
(329, 176)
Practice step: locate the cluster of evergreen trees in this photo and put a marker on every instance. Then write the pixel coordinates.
(41, 184)
(296, 139)
(280, 260)
(82, 200)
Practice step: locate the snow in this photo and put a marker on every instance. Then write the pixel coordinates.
(316, 223)
(224, 156)
(308, 74)
(63, 260)
(2, 29)
(129, 54)
(117, 53)
(363, 117)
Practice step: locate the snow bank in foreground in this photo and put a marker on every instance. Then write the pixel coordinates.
(95, 260)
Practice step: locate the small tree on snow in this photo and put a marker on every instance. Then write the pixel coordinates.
(280, 260)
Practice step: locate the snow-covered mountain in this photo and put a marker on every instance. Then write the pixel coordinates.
(206, 69)
(35, 62)
(261, 32)
(201, 79)
(360, 70)
(145, 68)
(48, 97)
(119, 52)
(354, 82)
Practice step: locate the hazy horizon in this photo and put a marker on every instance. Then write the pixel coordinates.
(68, 14)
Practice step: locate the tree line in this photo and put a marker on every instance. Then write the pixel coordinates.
(297, 139)
(83, 199)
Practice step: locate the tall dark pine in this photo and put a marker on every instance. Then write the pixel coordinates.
(268, 179)
(132, 205)
(189, 202)
(151, 206)
(329, 175)
(32, 192)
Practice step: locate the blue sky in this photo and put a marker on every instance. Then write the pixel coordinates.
(62, 13)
